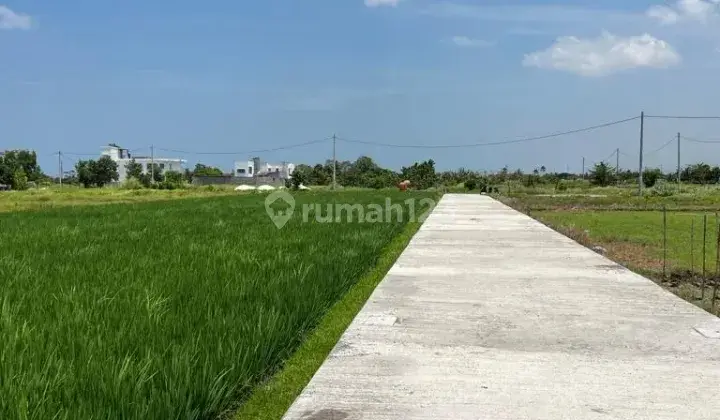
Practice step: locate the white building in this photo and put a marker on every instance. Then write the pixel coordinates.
(122, 157)
(251, 168)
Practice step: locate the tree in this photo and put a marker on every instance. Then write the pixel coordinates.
(134, 170)
(651, 176)
(421, 175)
(188, 175)
(601, 175)
(22, 163)
(20, 180)
(297, 178)
(204, 170)
(173, 180)
(105, 171)
(97, 173)
(84, 172)
(543, 169)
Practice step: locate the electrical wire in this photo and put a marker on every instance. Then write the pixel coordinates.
(693, 140)
(292, 146)
(495, 143)
(681, 117)
(661, 147)
(78, 154)
(607, 159)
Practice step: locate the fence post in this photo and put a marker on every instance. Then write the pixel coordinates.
(702, 291)
(664, 210)
(692, 246)
(717, 271)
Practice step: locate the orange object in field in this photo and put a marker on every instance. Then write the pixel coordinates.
(403, 186)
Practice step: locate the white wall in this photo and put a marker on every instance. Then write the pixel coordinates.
(265, 167)
(176, 165)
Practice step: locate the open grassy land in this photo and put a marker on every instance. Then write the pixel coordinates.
(39, 199)
(695, 198)
(170, 310)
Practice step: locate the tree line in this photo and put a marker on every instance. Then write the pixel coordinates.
(103, 171)
(19, 170)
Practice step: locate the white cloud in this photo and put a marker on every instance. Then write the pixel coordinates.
(12, 20)
(664, 14)
(686, 10)
(463, 41)
(379, 3)
(604, 55)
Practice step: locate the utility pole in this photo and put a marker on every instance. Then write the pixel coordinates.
(640, 172)
(583, 168)
(152, 164)
(617, 165)
(334, 185)
(678, 166)
(60, 168)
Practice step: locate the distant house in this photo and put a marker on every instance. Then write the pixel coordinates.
(256, 167)
(122, 157)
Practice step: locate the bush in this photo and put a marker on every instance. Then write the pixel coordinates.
(170, 185)
(471, 184)
(20, 180)
(561, 186)
(662, 189)
(132, 184)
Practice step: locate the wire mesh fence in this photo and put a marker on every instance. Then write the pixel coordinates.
(690, 257)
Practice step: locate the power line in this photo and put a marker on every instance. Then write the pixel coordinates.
(292, 146)
(690, 139)
(78, 154)
(662, 147)
(495, 143)
(608, 158)
(681, 117)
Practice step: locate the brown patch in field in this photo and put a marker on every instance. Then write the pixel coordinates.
(628, 254)
(683, 283)
(633, 255)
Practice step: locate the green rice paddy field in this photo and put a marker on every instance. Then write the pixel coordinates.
(167, 309)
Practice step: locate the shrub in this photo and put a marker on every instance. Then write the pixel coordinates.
(132, 184)
(20, 180)
(662, 189)
(471, 184)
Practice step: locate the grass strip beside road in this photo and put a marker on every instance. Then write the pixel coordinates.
(271, 400)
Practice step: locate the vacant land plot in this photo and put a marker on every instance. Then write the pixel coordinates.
(167, 310)
(637, 240)
(41, 199)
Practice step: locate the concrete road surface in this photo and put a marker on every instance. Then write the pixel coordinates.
(488, 314)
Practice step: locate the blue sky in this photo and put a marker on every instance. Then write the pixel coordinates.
(226, 76)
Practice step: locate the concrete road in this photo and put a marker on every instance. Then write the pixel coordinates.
(488, 314)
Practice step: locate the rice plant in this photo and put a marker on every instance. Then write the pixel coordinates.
(165, 310)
